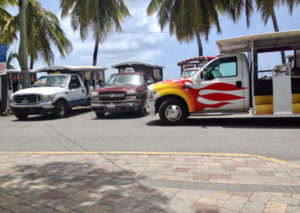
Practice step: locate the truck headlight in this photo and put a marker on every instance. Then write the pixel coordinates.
(95, 96)
(151, 94)
(11, 98)
(131, 92)
(131, 97)
(47, 98)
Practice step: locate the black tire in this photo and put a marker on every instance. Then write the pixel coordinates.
(69, 110)
(173, 112)
(100, 114)
(142, 110)
(61, 109)
(21, 116)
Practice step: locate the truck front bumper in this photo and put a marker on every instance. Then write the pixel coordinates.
(150, 106)
(117, 106)
(32, 109)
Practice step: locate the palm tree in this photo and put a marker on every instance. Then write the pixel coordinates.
(265, 7)
(43, 30)
(187, 19)
(267, 10)
(10, 58)
(100, 16)
(4, 15)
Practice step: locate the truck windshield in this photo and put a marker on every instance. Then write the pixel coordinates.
(125, 80)
(51, 81)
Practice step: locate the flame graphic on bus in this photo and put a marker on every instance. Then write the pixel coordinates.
(213, 95)
(199, 97)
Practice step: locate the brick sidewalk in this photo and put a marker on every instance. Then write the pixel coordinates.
(146, 183)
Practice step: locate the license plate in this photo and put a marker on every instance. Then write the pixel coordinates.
(111, 106)
(25, 101)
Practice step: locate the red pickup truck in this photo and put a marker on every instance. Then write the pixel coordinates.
(123, 92)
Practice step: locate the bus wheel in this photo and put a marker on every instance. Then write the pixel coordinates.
(173, 112)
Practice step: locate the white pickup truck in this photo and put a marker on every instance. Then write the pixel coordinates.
(232, 83)
(52, 93)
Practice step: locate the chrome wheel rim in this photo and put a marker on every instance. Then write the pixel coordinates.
(173, 113)
(61, 109)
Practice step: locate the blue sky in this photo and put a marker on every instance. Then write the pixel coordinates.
(137, 44)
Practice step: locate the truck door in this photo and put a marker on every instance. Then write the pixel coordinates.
(77, 94)
(222, 87)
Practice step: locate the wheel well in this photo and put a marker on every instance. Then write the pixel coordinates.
(166, 97)
(62, 99)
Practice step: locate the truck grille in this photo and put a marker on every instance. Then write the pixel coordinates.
(111, 96)
(24, 99)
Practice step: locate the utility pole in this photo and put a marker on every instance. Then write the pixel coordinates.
(23, 52)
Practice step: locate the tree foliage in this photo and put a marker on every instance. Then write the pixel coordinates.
(4, 14)
(99, 16)
(9, 60)
(43, 31)
(265, 7)
(186, 17)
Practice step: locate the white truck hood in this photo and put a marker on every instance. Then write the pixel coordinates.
(40, 90)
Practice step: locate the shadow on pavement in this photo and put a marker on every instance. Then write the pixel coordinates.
(78, 186)
(115, 116)
(249, 122)
(73, 113)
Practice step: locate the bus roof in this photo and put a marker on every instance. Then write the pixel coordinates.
(287, 40)
(14, 71)
(71, 68)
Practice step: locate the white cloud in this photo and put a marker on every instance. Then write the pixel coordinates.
(149, 55)
(123, 44)
(134, 44)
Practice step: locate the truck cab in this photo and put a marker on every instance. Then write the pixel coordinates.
(56, 93)
(230, 83)
(123, 92)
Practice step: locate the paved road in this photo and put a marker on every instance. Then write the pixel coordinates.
(81, 131)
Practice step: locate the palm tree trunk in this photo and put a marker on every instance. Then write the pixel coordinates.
(23, 51)
(200, 47)
(276, 29)
(96, 35)
(96, 51)
(31, 62)
(4, 94)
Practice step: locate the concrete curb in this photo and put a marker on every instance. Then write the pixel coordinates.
(275, 160)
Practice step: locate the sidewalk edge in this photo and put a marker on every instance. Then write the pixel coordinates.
(275, 160)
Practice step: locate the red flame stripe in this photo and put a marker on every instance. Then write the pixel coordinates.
(222, 87)
(214, 105)
(221, 97)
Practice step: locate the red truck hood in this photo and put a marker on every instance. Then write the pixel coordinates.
(117, 88)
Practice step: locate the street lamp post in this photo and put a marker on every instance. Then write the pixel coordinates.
(23, 52)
